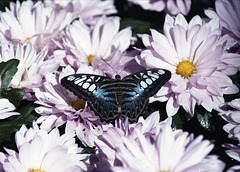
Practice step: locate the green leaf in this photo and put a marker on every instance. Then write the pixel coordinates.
(177, 122)
(138, 26)
(88, 150)
(7, 71)
(180, 119)
(14, 95)
(12, 124)
(204, 120)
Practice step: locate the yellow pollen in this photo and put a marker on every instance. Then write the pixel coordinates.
(78, 104)
(33, 170)
(185, 68)
(27, 39)
(90, 59)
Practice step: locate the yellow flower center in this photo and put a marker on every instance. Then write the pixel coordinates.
(27, 39)
(33, 170)
(90, 59)
(78, 104)
(185, 68)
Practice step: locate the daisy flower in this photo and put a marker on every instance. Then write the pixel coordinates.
(88, 11)
(233, 152)
(59, 106)
(6, 109)
(192, 52)
(32, 66)
(39, 150)
(172, 7)
(99, 46)
(106, 143)
(231, 113)
(159, 149)
(228, 13)
(168, 151)
(33, 22)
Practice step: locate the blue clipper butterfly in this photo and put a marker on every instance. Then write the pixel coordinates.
(109, 98)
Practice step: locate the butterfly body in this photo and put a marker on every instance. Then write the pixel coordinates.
(110, 98)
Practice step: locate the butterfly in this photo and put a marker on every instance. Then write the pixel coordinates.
(109, 98)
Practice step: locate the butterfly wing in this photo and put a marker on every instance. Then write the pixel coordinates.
(144, 85)
(96, 91)
(85, 86)
(148, 82)
(133, 105)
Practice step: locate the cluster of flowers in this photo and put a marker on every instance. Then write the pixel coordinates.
(54, 38)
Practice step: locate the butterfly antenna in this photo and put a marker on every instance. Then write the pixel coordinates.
(110, 66)
(125, 66)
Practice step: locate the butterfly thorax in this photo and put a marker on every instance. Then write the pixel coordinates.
(117, 77)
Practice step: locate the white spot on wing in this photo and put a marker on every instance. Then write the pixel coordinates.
(154, 75)
(161, 72)
(80, 84)
(149, 81)
(149, 72)
(86, 85)
(80, 80)
(97, 79)
(137, 76)
(88, 80)
(92, 87)
(145, 76)
(143, 84)
(70, 78)
(77, 81)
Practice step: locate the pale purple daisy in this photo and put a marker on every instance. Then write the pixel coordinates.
(159, 149)
(39, 150)
(193, 53)
(232, 60)
(36, 23)
(88, 11)
(231, 113)
(103, 47)
(233, 152)
(32, 65)
(6, 109)
(228, 13)
(59, 106)
(106, 143)
(172, 7)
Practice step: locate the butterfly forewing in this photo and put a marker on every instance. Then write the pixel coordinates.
(85, 86)
(149, 81)
(109, 98)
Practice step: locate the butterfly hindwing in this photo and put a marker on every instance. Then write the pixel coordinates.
(109, 98)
